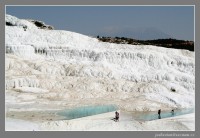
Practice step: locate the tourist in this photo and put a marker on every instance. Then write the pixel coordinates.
(159, 112)
(116, 116)
(172, 112)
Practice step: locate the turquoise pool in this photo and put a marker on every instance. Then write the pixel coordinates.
(147, 116)
(86, 111)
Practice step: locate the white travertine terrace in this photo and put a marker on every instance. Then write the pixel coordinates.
(71, 69)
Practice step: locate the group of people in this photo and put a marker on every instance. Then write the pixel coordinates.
(159, 113)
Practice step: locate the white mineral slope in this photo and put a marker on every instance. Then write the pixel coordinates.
(20, 125)
(182, 122)
(55, 69)
(103, 122)
(126, 123)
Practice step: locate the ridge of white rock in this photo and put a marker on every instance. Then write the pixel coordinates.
(72, 66)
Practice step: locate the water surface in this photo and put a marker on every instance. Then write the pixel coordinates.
(147, 116)
(86, 111)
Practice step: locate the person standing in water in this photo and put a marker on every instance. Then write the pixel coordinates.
(172, 112)
(159, 112)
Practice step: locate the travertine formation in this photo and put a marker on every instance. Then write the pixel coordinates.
(71, 66)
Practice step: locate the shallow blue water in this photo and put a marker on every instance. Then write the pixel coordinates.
(86, 111)
(147, 116)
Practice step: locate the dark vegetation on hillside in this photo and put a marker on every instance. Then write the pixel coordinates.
(39, 24)
(168, 43)
(42, 25)
(9, 24)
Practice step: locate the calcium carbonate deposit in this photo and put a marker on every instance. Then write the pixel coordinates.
(48, 70)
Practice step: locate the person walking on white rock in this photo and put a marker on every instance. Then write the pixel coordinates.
(116, 116)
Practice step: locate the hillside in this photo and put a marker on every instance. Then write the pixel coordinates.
(50, 69)
(167, 43)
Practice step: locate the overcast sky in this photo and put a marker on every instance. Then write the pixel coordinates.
(176, 21)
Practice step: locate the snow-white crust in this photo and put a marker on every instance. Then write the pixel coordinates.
(68, 65)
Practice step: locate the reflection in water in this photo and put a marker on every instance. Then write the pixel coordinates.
(159, 117)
